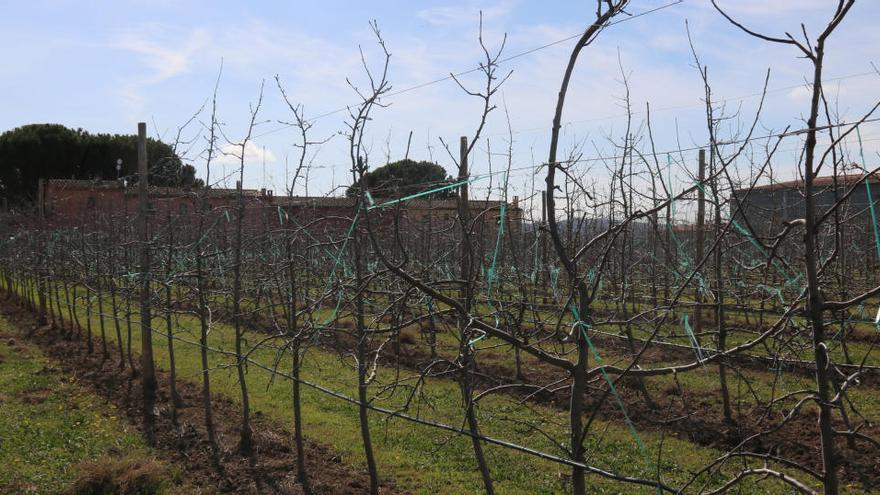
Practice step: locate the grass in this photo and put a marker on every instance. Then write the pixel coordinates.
(51, 428)
(424, 460)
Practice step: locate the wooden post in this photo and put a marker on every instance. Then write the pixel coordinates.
(701, 239)
(464, 217)
(544, 273)
(41, 198)
(149, 373)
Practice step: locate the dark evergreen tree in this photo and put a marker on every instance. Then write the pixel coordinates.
(52, 151)
(405, 177)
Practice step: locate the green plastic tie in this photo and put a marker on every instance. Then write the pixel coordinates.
(477, 339)
(870, 198)
(498, 241)
(338, 258)
(430, 303)
(687, 328)
(323, 325)
(789, 280)
(877, 320)
(554, 277)
(425, 193)
(584, 326)
(686, 262)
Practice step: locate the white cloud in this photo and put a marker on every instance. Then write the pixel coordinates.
(773, 8)
(254, 154)
(448, 15)
(164, 57)
(800, 93)
(166, 62)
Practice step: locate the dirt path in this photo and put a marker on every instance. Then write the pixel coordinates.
(186, 445)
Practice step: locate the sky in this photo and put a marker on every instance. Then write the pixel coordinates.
(105, 65)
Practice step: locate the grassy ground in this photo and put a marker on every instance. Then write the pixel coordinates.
(52, 430)
(424, 460)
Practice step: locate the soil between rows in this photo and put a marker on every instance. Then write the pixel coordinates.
(693, 415)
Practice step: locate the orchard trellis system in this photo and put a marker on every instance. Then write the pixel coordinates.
(605, 310)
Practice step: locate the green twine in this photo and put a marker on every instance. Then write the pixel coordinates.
(873, 212)
(696, 343)
(292, 219)
(554, 277)
(789, 280)
(477, 339)
(703, 287)
(425, 193)
(870, 198)
(591, 276)
(685, 263)
(862, 311)
(323, 325)
(536, 269)
(430, 303)
(763, 251)
(758, 246)
(632, 430)
(498, 240)
(209, 230)
(336, 261)
(338, 258)
(773, 290)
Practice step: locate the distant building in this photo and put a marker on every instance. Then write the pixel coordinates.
(83, 202)
(768, 206)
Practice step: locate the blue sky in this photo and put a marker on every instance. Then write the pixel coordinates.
(104, 66)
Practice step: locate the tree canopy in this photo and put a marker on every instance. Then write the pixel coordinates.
(405, 177)
(52, 151)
